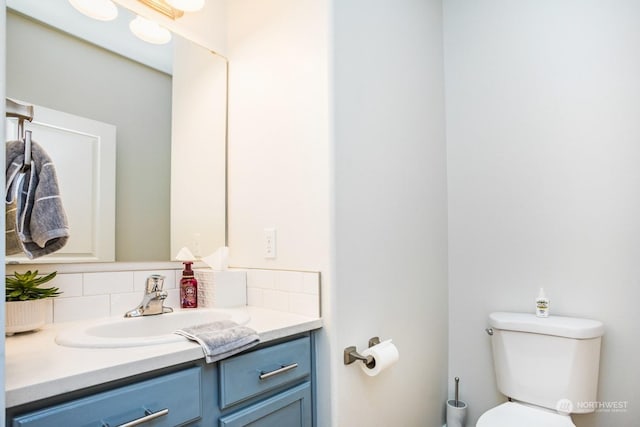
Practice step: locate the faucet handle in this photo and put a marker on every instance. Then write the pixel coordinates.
(155, 283)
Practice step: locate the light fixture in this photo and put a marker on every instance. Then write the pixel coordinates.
(186, 5)
(149, 31)
(102, 10)
(174, 8)
(163, 7)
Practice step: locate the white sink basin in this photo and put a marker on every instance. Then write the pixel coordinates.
(145, 330)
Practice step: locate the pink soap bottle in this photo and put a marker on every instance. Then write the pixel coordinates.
(188, 287)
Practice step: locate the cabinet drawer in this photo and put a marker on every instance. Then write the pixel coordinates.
(291, 408)
(251, 374)
(173, 400)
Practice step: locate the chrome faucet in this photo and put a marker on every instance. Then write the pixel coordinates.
(153, 299)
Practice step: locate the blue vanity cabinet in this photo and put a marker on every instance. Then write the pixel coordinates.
(290, 408)
(269, 386)
(166, 401)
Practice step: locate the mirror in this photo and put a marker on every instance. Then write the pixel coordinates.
(170, 121)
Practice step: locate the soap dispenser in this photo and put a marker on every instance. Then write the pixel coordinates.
(542, 304)
(188, 287)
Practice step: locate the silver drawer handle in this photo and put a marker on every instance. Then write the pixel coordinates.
(264, 375)
(148, 417)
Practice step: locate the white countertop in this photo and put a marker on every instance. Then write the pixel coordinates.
(36, 367)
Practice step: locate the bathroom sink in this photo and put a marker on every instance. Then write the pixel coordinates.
(145, 330)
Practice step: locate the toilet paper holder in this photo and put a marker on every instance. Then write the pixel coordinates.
(351, 354)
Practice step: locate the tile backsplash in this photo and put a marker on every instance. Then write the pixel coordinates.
(291, 291)
(95, 294)
(105, 294)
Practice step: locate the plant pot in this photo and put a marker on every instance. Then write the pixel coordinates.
(23, 316)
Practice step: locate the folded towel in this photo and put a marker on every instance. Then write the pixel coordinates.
(33, 204)
(221, 339)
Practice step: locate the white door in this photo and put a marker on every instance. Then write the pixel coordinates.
(84, 154)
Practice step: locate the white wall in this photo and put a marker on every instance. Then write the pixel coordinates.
(543, 100)
(389, 207)
(388, 191)
(278, 157)
(278, 132)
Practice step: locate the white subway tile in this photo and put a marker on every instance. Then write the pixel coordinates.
(276, 300)
(108, 282)
(80, 308)
(70, 284)
(311, 283)
(255, 297)
(305, 304)
(289, 281)
(264, 279)
(177, 275)
(121, 303)
(95, 295)
(173, 299)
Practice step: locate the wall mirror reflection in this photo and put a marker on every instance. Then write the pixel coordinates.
(168, 106)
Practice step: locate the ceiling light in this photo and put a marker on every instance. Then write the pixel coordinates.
(186, 5)
(149, 31)
(102, 10)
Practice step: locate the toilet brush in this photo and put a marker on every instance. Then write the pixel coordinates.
(456, 409)
(457, 385)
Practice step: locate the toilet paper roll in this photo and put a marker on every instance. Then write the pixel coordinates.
(384, 354)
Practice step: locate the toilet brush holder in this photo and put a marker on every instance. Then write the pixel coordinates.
(456, 413)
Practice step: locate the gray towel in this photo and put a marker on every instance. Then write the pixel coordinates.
(36, 223)
(221, 339)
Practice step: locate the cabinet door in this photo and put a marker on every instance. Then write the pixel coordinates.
(166, 401)
(291, 408)
(252, 374)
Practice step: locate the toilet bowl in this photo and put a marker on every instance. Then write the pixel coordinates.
(514, 414)
(542, 364)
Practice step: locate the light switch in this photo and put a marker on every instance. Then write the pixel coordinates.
(270, 243)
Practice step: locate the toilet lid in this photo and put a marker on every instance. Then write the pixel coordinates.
(511, 414)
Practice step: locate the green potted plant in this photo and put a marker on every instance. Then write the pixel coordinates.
(26, 301)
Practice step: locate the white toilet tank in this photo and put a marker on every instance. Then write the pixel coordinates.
(547, 361)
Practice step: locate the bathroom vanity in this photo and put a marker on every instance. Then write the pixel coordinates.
(269, 385)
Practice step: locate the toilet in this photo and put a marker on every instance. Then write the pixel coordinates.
(547, 367)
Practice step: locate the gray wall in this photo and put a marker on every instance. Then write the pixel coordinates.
(543, 136)
(52, 69)
(389, 237)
